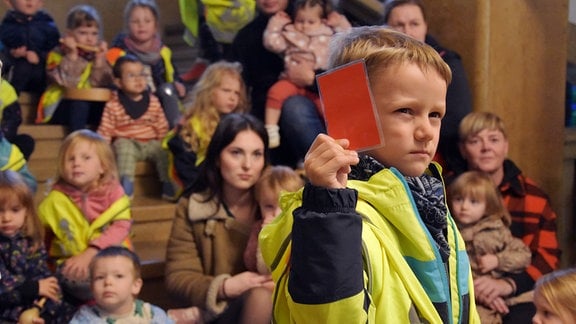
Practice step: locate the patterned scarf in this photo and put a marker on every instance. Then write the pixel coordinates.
(149, 55)
(428, 194)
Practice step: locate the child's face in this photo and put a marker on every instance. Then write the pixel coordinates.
(468, 210)
(113, 284)
(546, 315)
(82, 166)
(133, 79)
(242, 161)
(86, 35)
(226, 96)
(486, 151)
(308, 19)
(268, 202)
(408, 19)
(410, 106)
(12, 217)
(27, 7)
(142, 24)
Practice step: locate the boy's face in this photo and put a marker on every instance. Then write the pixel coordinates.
(86, 35)
(308, 19)
(410, 106)
(133, 79)
(113, 284)
(485, 151)
(27, 7)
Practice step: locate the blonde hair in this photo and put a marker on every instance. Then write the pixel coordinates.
(278, 178)
(382, 48)
(13, 188)
(478, 185)
(101, 147)
(558, 288)
(202, 106)
(475, 122)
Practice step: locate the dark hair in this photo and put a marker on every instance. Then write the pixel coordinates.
(326, 6)
(391, 4)
(210, 177)
(128, 58)
(113, 251)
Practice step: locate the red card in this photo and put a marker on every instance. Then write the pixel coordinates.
(348, 106)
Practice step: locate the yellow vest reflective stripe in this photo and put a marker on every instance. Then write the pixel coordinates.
(71, 229)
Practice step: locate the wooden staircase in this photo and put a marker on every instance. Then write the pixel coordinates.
(152, 216)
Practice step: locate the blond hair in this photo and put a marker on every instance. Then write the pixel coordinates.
(478, 185)
(558, 288)
(101, 147)
(475, 122)
(13, 189)
(278, 178)
(202, 106)
(382, 48)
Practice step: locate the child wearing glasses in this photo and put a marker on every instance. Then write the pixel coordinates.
(134, 122)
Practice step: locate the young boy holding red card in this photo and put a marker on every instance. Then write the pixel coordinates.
(371, 240)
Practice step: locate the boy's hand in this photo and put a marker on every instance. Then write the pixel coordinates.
(487, 262)
(76, 267)
(32, 57)
(328, 162)
(19, 52)
(48, 287)
(70, 48)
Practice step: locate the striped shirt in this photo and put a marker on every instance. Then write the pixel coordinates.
(116, 123)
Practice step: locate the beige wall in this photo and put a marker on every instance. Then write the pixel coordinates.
(112, 12)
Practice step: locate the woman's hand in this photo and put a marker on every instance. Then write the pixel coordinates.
(48, 287)
(328, 162)
(488, 289)
(240, 283)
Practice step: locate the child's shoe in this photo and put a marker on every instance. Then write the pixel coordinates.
(168, 192)
(273, 136)
(128, 186)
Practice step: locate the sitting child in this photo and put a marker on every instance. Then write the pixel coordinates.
(85, 211)
(267, 192)
(28, 33)
(484, 223)
(115, 282)
(133, 121)
(304, 38)
(11, 118)
(142, 39)
(24, 272)
(79, 63)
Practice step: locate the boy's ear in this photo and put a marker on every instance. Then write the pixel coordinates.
(137, 286)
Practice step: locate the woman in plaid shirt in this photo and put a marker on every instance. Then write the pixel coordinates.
(484, 145)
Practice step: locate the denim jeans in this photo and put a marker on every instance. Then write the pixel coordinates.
(300, 123)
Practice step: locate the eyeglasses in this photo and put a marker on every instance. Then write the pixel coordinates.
(133, 76)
